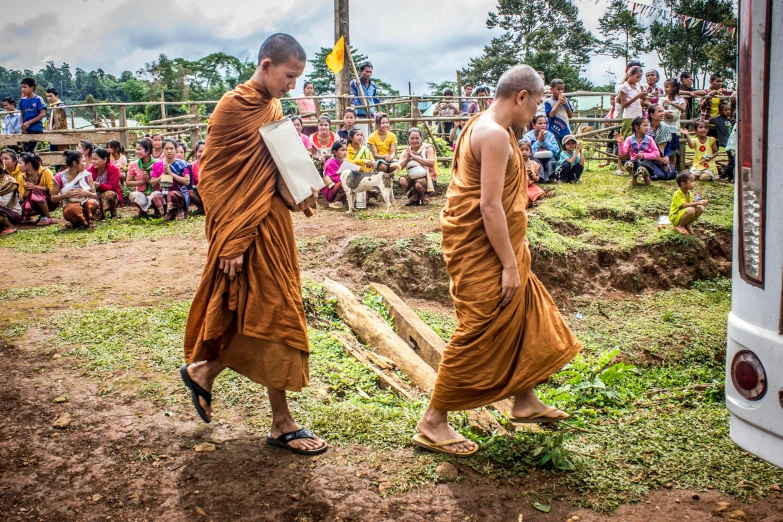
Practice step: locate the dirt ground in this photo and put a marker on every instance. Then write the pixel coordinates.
(122, 458)
(119, 457)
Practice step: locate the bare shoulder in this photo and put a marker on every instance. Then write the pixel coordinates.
(487, 135)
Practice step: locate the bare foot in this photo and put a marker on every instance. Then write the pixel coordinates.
(690, 230)
(682, 230)
(441, 431)
(290, 425)
(526, 404)
(199, 375)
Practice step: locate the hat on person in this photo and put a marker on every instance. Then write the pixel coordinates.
(569, 137)
(635, 63)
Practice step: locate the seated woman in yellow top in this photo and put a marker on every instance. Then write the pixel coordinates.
(358, 153)
(383, 145)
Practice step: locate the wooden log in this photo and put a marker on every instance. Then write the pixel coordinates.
(373, 331)
(423, 339)
(386, 375)
(413, 330)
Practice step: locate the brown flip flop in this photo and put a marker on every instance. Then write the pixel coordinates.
(424, 442)
(541, 418)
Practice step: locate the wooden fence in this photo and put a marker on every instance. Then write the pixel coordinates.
(403, 113)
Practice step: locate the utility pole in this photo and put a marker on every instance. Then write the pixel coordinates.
(342, 28)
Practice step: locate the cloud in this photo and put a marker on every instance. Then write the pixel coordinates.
(408, 41)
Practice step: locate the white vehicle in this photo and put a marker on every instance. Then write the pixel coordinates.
(754, 356)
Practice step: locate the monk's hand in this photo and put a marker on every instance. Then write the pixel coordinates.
(231, 267)
(509, 284)
(307, 203)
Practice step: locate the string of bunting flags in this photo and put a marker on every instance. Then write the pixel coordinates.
(707, 28)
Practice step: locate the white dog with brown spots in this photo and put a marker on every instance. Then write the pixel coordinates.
(355, 182)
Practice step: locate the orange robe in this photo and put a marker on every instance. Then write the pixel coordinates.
(495, 352)
(255, 324)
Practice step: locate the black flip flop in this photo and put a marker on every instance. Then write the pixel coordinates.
(283, 440)
(196, 391)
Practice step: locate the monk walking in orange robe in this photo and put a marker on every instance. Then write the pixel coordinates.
(248, 314)
(510, 335)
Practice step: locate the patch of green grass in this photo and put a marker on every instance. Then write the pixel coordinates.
(676, 326)
(443, 324)
(364, 245)
(31, 292)
(604, 211)
(433, 241)
(13, 331)
(46, 239)
(387, 216)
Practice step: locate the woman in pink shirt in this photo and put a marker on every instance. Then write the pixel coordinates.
(642, 149)
(307, 106)
(333, 192)
(107, 182)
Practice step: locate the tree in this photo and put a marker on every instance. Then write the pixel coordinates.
(682, 48)
(623, 36)
(436, 89)
(547, 35)
(528, 22)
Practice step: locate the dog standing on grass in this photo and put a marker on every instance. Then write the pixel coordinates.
(354, 182)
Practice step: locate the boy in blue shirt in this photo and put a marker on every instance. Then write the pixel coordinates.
(544, 148)
(33, 109)
(558, 112)
(12, 124)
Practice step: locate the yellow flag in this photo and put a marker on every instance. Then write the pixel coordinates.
(336, 58)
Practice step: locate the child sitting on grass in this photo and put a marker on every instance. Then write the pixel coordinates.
(571, 163)
(705, 148)
(532, 168)
(333, 192)
(685, 210)
(642, 150)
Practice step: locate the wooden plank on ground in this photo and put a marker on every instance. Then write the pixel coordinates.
(386, 375)
(419, 335)
(413, 330)
(372, 329)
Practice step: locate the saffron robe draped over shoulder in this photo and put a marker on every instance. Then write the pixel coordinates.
(495, 352)
(256, 323)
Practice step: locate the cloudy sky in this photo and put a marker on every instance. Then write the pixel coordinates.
(408, 40)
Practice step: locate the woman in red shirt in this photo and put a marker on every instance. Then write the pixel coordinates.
(322, 141)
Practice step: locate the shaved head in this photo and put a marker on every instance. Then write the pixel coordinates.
(519, 78)
(280, 48)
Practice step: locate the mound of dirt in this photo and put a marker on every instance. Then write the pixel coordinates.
(414, 268)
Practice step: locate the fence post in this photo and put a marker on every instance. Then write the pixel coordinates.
(681, 157)
(123, 123)
(415, 110)
(195, 132)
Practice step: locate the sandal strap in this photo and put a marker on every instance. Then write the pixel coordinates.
(303, 433)
(545, 414)
(201, 392)
(447, 442)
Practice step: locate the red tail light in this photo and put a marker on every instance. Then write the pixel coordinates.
(748, 375)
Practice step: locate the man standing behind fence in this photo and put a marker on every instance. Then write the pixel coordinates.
(510, 335)
(247, 314)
